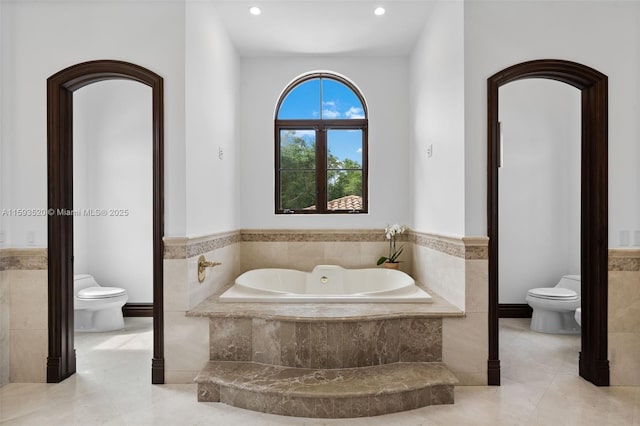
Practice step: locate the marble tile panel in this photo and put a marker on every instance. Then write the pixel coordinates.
(386, 342)
(304, 256)
(329, 312)
(442, 395)
(443, 273)
(464, 345)
(230, 339)
(356, 347)
(420, 340)
(345, 254)
(186, 342)
(28, 356)
(28, 299)
(324, 408)
(334, 345)
(624, 301)
(624, 358)
(370, 252)
(298, 406)
(295, 343)
(256, 255)
(351, 407)
(4, 327)
(318, 345)
(397, 402)
(208, 392)
(265, 341)
(176, 289)
(476, 284)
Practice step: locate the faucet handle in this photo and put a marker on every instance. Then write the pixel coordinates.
(203, 263)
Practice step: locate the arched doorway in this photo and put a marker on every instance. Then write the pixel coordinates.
(593, 363)
(60, 87)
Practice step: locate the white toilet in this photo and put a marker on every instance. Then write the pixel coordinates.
(554, 307)
(97, 308)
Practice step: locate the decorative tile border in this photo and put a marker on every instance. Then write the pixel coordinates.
(476, 248)
(627, 260)
(184, 248)
(317, 235)
(465, 248)
(469, 248)
(23, 259)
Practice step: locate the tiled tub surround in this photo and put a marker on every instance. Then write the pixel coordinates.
(326, 360)
(187, 339)
(23, 297)
(304, 249)
(457, 269)
(624, 316)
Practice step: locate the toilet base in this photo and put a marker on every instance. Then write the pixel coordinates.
(99, 320)
(554, 322)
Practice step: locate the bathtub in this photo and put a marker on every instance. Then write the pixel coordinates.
(325, 284)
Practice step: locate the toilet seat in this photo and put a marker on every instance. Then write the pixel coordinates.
(101, 292)
(553, 293)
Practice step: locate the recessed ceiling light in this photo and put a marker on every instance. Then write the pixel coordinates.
(379, 11)
(255, 10)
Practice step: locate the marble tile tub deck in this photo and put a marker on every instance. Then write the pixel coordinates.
(328, 312)
(331, 360)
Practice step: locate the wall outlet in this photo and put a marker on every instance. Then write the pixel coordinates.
(220, 153)
(31, 238)
(624, 238)
(430, 150)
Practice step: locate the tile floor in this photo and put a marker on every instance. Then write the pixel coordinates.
(540, 387)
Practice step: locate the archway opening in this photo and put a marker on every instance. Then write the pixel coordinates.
(593, 85)
(61, 362)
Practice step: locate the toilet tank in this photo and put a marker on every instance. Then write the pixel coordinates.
(81, 281)
(572, 282)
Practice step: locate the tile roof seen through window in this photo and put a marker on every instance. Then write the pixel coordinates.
(348, 202)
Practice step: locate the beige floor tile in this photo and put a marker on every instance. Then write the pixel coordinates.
(112, 388)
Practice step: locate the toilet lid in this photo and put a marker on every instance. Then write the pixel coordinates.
(101, 292)
(556, 293)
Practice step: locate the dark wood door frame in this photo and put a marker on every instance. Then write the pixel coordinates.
(61, 359)
(593, 364)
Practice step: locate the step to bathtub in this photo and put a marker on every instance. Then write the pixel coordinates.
(326, 393)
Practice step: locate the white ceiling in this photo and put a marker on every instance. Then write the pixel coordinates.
(314, 27)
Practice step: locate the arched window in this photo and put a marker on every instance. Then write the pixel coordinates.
(321, 147)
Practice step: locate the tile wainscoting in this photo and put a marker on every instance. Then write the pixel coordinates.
(451, 266)
(186, 340)
(23, 315)
(457, 269)
(624, 316)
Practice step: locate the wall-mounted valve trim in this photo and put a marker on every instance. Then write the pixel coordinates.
(202, 265)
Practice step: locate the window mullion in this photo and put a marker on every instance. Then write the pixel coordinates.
(321, 172)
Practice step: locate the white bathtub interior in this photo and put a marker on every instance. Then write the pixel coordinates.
(326, 284)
